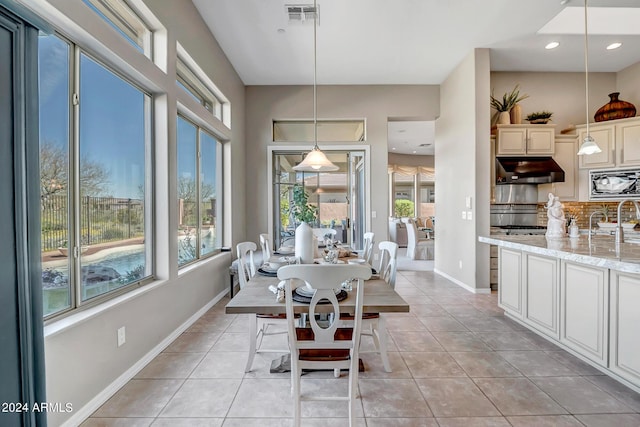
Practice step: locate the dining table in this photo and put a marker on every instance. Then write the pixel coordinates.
(257, 298)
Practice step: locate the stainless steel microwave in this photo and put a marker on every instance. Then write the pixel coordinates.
(614, 184)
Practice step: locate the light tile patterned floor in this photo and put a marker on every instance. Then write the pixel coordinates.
(457, 361)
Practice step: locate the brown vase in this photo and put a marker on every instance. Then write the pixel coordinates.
(615, 109)
(503, 118)
(515, 114)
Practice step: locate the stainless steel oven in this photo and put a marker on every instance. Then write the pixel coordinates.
(614, 184)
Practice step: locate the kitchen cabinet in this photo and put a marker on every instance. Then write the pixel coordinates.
(565, 156)
(619, 141)
(584, 310)
(625, 318)
(510, 279)
(542, 293)
(525, 140)
(628, 142)
(604, 136)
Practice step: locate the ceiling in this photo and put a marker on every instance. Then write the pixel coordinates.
(417, 41)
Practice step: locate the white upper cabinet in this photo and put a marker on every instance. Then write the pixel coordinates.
(525, 140)
(619, 141)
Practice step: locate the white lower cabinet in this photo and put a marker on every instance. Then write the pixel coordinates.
(625, 321)
(542, 293)
(510, 279)
(584, 308)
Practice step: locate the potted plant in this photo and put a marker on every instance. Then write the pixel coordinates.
(301, 209)
(503, 106)
(539, 117)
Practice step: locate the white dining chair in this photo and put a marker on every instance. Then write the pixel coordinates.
(321, 233)
(417, 248)
(259, 323)
(367, 253)
(265, 245)
(324, 346)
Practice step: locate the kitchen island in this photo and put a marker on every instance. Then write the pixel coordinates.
(581, 294)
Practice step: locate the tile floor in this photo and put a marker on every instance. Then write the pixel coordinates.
(457, 361)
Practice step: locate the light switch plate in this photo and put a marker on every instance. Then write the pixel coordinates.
(469, 215)
(464, 214)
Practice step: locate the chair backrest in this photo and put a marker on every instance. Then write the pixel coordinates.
(265, 244)
(246, 266)
(321, 233)
(324, 279)
(367, 253)
(412, 235)
(388, 262)
(429, 223)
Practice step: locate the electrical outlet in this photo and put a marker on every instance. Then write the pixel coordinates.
(460, 264)
(375, 257)
(374, 214)
(122, 338)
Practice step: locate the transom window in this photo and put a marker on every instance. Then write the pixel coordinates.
(124, 19)
(188, 81)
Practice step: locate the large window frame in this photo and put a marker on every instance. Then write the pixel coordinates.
(79, 297)
(205, 221)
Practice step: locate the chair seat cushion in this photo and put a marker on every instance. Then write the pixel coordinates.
(324, 354)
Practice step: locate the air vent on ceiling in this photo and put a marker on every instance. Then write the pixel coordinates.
(301, 12)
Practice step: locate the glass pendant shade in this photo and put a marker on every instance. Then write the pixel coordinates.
(316, 161)
(589, 146)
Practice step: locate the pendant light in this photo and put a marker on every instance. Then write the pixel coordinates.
(589, 145)
(315, 160)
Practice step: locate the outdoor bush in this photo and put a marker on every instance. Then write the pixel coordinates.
(404, 208)
(112, 233)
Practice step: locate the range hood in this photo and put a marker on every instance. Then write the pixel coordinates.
(527, 170)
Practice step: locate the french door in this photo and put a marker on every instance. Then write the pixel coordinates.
(338, 198)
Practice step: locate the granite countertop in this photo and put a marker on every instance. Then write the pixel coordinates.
(602, 252)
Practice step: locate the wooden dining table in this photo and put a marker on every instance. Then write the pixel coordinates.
(256, 297)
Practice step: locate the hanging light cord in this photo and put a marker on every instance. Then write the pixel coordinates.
(586, 66)
(315, 90)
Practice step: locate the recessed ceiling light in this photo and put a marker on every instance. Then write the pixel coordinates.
(552, 45)
(393, 148)
(414, 151)
(614, 46)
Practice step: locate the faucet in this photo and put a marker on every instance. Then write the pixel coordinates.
(604, 215)
(619, 230)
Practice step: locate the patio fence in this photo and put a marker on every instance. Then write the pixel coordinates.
(103, 219)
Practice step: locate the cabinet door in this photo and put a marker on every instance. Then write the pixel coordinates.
(625, 318)
(566, 157)
(605, 138)
(584, 310)
(512, 142)
(628, 137)
(540, 141)
(542, 294)
(510, 281)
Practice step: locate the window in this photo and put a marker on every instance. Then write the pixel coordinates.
(126, 21)
(328, 131)
(199, 191)
(95, 192)
(188, 81)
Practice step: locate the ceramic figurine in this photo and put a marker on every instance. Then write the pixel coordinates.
(556, 221)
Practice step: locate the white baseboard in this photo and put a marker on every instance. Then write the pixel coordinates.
(462, 284)
(85, 412)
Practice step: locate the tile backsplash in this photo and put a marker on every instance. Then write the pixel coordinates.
(582, 210)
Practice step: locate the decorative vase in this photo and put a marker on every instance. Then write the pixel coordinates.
(504, 118)
(304, 243)
(615, 109)
(515, 114)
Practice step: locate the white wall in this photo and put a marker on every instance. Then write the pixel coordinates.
(462, 170)
(628, 84)
(373, 103)
(82, 358)
(561, 93)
